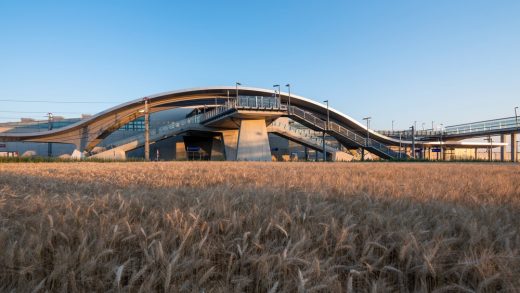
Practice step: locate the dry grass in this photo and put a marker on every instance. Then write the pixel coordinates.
(266, 227)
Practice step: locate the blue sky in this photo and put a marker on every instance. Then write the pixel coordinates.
(447, 61)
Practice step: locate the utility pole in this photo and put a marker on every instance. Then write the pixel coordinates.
(146, 130)
(49, 127)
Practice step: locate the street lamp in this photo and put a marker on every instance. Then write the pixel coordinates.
(327, 128)
(423, 126)
(279, 91)
(289, 100)
(50, 117)
(440, 145)
(413, 140)
(516, 117)
(236, 87)
(328, 119)
(368, 126)
(392, 126)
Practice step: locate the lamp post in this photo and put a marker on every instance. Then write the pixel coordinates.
(326, 128)
(423, 126)
(49, 127)
(514, 147)
(236, 89)
(146, 130)
(400, 147)
(289, 100)
(368, 136)
(279, 91)
(392, 126)
(516, 118)
(441, 142)
(413, 141)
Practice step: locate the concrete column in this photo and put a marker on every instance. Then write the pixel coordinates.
(514, 147)
(217, 149)
(180, 151)
(253, 141)
(362, 154)
(502, 148)
(230, 138)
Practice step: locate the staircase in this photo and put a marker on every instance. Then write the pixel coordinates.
(342, 133)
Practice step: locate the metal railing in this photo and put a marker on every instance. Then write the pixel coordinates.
(483, 126)
(343, 131)
(311, 136)
(491, 126)
(243, 102)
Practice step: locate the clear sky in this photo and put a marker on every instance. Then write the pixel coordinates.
(442, 60)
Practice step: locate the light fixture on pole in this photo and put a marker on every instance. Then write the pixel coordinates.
(516, 118)
(392, 126)
(236, 90)
(368, 126)
(413, 140)
(146, 130)
(289, 100)
(326, 128)
(279, 91)
(441, 142)
(50, 117)
(366, 141)
(328, 117)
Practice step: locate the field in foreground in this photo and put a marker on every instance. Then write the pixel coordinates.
(266, 227)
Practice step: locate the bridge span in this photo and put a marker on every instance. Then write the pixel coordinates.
(241, 117)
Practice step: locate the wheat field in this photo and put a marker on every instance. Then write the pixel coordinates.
(259, 227)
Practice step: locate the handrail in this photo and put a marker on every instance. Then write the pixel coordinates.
(306, 134)
(345, 132)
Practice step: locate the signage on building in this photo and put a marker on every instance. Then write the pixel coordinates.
(436, 150)
(3, 145)
(193, 149)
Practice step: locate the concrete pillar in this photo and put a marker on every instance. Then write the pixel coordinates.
(230, 138)
(502, 148)
(180, 151)
(217, 149)
(362, 154)
(514, 147)
(253, 141)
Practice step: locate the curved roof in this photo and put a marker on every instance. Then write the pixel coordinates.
(98, 126)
